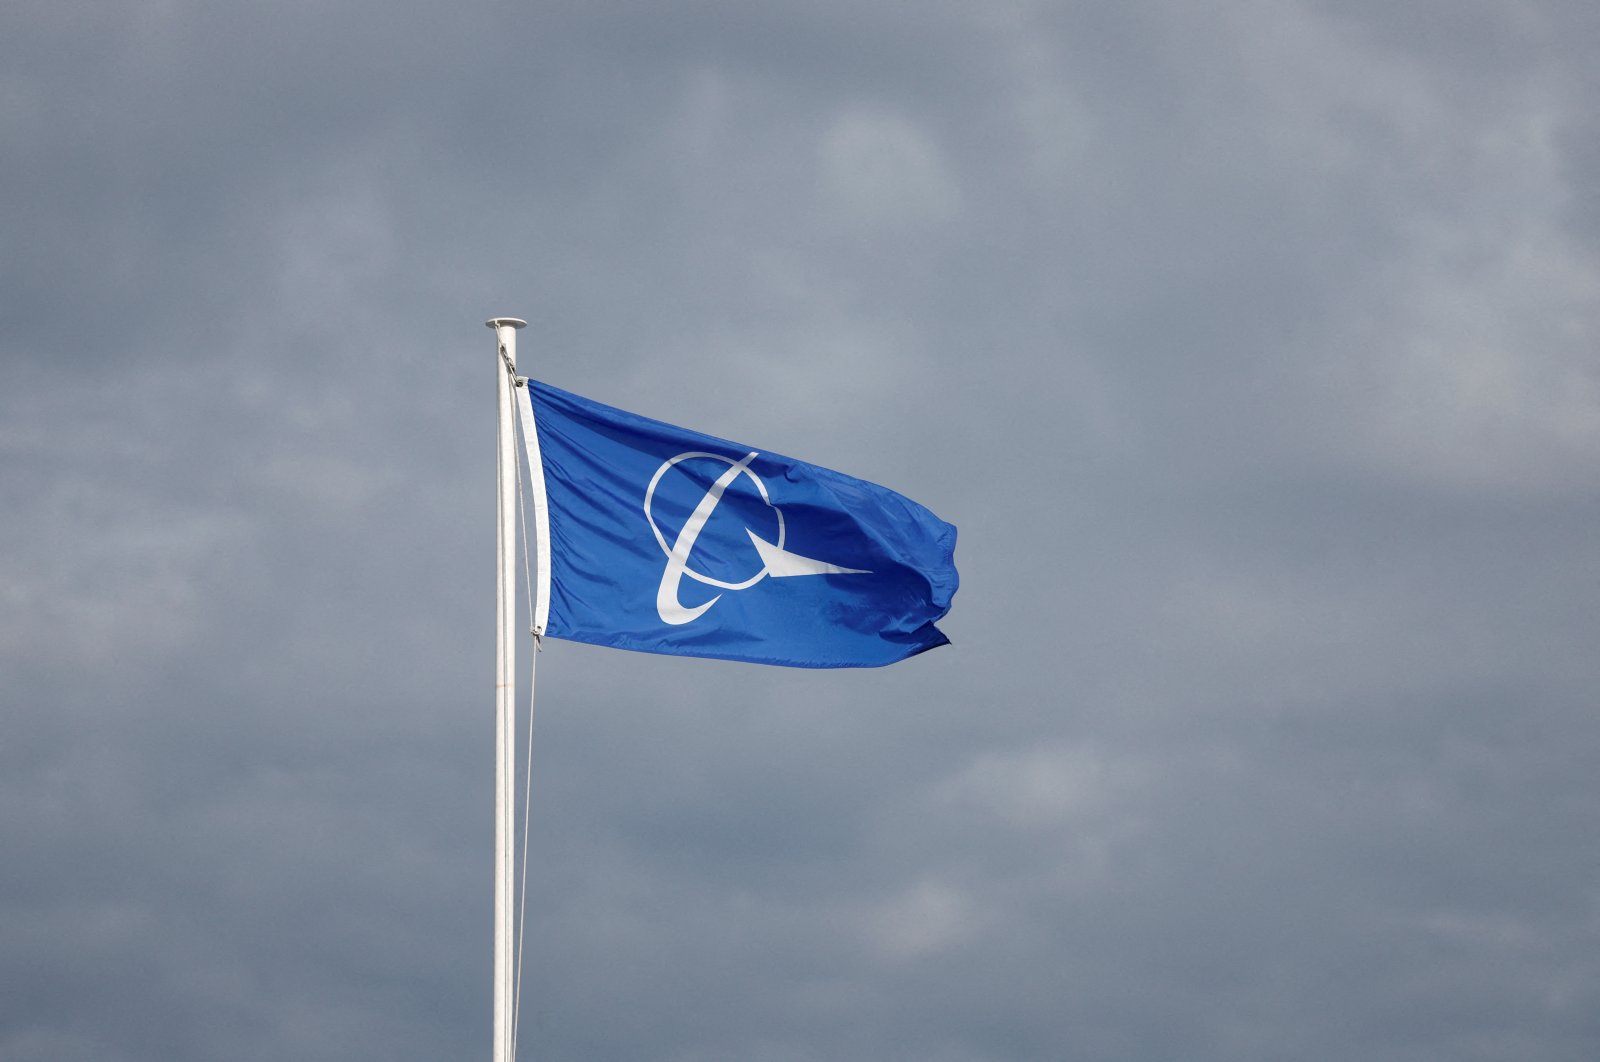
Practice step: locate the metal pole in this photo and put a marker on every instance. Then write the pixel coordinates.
(505, 685)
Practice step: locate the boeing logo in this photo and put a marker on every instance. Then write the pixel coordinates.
(776, 561)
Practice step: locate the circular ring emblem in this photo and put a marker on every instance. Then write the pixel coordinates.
(735, 469)
(776, 561)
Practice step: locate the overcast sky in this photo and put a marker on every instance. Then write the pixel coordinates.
(1252, 347)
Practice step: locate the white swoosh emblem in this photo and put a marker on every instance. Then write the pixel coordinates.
(775, 560)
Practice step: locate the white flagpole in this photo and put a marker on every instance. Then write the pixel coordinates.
(505, 686)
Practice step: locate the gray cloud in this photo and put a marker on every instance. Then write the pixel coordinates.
(1249, 348)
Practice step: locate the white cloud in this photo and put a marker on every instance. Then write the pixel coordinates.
(881, 169)
(1463, 354)
(925, 919)
(1488, 376)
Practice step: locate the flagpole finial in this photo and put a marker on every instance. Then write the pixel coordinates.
(505, 334)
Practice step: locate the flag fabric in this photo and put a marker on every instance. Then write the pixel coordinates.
(665, 540)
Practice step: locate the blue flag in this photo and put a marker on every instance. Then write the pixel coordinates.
(664, 540)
